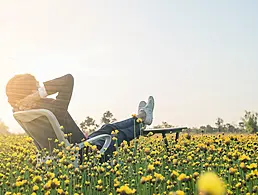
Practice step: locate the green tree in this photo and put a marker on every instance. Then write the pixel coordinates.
(209, 129)
(206, 129)
(108, 117)
(202, 129)
(164, 124)
(89, 124)
(219, 124)
(250, 121)
(241, 125)
(230, 128)
(3, 128)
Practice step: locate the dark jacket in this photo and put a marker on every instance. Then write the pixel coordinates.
(59, 106)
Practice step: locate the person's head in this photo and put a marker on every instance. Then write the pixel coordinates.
(19, 87)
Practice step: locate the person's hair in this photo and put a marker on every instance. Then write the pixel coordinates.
(19, 87)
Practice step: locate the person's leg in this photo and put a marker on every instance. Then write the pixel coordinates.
(127, 129)
(108, 128)
(127, 134)
(129, 122)
(124, 124)
(132, 130)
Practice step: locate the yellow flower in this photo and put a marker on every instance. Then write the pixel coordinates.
(60, 191)
(125, 190)
(150, 167)
(70, 166)
(134, 115)
(179, 192)
(195, 174)
(18, 183)
(139, 120)
(244, 158)
(252, 166)
(182, 177)
(210, 183)
(48, 162)
(147, 150)
(159, 177)
(242, 165)
(116, 182)
(232, 170)
(35, 188)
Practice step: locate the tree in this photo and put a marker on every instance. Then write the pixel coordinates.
(219, 124)
(89, 124)
(230, 128)
(206, 129)
(241, 125)
(250, 121)
(209, 129)
(203, 129)
(108, 117)
(3, 128)
(163, 125)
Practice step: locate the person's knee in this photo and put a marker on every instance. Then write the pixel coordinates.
(109, 127)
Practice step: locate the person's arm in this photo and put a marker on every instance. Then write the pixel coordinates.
(28, 102)
(64, 87)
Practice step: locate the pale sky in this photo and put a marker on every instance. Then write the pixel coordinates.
(197, 58)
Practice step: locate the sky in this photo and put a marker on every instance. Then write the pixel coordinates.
(197, 58)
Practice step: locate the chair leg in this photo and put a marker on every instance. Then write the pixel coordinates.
(177, 137)
(165, 140)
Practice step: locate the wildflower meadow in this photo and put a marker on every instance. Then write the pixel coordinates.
(200, 164)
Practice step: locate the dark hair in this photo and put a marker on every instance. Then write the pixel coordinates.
(19, 87)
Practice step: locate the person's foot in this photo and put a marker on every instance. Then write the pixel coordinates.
(148, 109)
(142, 104)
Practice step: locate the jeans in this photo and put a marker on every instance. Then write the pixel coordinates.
(128, 130)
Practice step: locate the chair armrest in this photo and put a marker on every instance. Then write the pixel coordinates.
(107, 138)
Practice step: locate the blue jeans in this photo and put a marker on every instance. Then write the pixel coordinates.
(128, 130)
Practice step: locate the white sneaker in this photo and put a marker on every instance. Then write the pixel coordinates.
(148, 109)
(142, 104)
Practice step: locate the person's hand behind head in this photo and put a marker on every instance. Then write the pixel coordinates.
(28, 102)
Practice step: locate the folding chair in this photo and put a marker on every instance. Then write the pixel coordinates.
(43, 127)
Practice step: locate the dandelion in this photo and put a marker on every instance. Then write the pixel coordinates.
(139, 120)
(210, 183)
(150, 168)
(125, 190)
(134, 115)
(35, 188)
(252, 166)
(244, 158)
(182, 177)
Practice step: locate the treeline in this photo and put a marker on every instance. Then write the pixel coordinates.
(247, 124)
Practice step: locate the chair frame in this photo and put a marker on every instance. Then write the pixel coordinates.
(29, 115)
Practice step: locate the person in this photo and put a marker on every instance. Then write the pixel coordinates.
(25, 93)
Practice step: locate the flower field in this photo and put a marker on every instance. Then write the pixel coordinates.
(143, 166)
